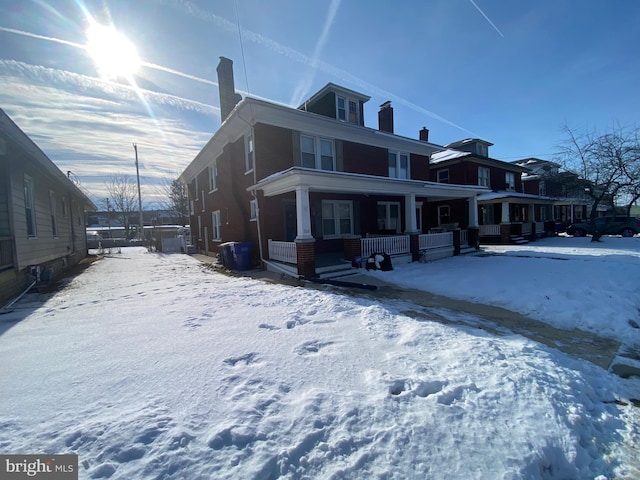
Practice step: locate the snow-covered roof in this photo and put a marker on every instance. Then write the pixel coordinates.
(447, 155)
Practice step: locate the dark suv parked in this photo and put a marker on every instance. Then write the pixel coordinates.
(625, 226)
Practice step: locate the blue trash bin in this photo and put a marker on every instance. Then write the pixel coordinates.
(227, 255)
(242, 254)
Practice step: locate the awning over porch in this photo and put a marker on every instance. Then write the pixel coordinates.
(304, 180)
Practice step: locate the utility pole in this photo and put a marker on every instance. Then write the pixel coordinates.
(141, 223)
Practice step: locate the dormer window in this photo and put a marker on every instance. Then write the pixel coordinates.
(347, 109)
(482, 150)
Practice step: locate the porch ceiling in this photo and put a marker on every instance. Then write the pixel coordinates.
(514, 197)
(326, 181)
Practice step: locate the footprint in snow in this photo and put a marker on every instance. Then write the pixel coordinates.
(311, 347)
(247, 359)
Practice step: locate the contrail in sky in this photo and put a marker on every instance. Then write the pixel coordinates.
(303, 89)
(42, 37)
(486, 18)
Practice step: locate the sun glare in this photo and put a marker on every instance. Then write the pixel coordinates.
(112, 52)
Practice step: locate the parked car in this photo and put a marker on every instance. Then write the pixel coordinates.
(625, 226)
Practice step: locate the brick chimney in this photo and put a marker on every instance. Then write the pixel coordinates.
(385, 117)
(424, 134)
(226, 88)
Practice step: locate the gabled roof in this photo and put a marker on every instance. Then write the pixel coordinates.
(10, 131)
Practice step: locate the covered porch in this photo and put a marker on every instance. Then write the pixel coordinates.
(313, 222)
(510, 217)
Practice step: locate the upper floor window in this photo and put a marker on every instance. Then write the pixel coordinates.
(213, 180)
(29, 206)
(510, 180)
(482, 150)
(443, 176)
(253, 209)
(249, 161)
(398, 164)
(483, 176)
(317, 153)
(54, 213)
(347, 109)
(542, 188)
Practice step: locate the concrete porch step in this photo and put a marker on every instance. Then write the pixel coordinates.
(518, 239)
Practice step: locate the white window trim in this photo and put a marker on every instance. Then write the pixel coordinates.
(202, 196)
(542, 188)
(336, 220)
(488, 177)
(54, 213)
(253, 210)
(317, 143)
(216, 224)
(249, 166)
(444, 170)
(442, 208)
(398, 154)
(510, 187)
(30, 200)
(388, 214)
(213, 179)
(346, 109)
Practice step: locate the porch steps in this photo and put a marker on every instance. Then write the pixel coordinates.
(518, 240)
(334, 271)
(468, 250)
(191, 249)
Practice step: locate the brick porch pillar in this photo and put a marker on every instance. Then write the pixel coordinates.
(352, 247)
(306, 251)
(505, 233)
(414, 246)
(473, 237)
(456, 241)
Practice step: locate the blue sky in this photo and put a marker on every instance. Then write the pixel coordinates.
(511, 72)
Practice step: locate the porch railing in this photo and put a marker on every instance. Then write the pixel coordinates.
(435, 240)
(489, 230)
(526, 228)
(464, 237)
(393, 245)
(540, 227)
(283, 251)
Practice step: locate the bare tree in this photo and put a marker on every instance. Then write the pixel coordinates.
(177, 200)
(123, 195)
(605, 168)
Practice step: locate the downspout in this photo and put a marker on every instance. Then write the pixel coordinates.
(255, 180)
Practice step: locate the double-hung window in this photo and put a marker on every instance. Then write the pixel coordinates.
(483, 176)
(253, 210)
(249, 160)
(29, 206)
(337, 218)
(213, 179)
(54, 215)
(443, 176)
(510, 181)
(388, 216)
(398, 164)
(444, 214)
(317, 152)
(216, 223)
(347, 109)
(542, 188)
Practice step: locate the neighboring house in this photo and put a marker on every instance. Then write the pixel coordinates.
(312, 186)
(507, 213)
(546, 178)
(42, 214)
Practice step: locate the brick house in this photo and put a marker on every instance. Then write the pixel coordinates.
(313, 188)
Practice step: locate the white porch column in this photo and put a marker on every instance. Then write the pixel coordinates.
(505, 213)
(303, 213)
(410, 213)
(473, 212)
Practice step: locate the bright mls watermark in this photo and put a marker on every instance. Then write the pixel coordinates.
(50, 467)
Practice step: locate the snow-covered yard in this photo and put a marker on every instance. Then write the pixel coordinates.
(152, 366)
